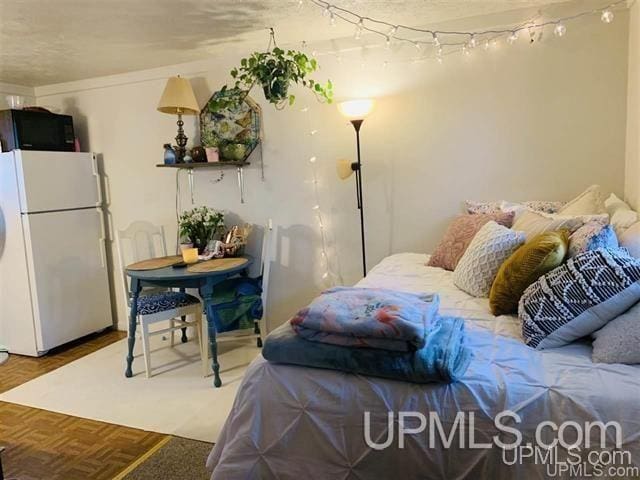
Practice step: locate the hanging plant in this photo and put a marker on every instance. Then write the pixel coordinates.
(275, 71)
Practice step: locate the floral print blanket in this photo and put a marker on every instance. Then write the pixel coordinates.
(368, 317)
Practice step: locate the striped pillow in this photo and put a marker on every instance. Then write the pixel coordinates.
(579, 297)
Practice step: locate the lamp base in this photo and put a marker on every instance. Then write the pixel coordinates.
(181, 140)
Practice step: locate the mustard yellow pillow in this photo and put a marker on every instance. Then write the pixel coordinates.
(538, 256)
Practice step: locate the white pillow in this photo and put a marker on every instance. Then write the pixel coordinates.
(589, 202)
(534, 223)
(622, 217)
(488, 250)
(630, 240)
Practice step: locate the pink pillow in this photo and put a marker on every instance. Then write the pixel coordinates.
(459, 235)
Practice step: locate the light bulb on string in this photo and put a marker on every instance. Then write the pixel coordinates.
(512, 37)
(359, 28)
(326, 11)
(385, 64)
(387, 43)
(300, 4)
(312, 160)
(392, 31)
(332, 20)
(487, 44)
(316, 207)
(607, 16)
(560, 30)
(465, 51)
(436, 40)
(417, 45)
(473, 42)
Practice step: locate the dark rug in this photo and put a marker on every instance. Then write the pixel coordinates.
(178, 459)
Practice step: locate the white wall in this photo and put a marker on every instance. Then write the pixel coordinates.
(632, 172)
(522, 122)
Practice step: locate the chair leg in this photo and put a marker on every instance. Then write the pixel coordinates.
(256, 330)
(172, 323)
(184, 338)
(146, 350)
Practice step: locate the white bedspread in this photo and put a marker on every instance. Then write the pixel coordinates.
(292, 422)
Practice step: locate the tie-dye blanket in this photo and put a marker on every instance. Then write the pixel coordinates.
(368, 317)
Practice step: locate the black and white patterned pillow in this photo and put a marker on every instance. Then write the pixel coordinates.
(579, 297)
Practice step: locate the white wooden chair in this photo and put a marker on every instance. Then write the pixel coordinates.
(262, 273)
(145, 240)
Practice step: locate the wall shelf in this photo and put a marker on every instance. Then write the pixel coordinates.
(222, 164)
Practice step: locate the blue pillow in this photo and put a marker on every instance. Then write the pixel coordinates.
(579, 297)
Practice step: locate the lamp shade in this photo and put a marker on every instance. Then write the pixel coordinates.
(178, 97)
(356, 109)
(343, 168)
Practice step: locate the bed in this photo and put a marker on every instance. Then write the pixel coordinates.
(291, 422)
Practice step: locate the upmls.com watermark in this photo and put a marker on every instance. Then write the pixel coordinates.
(570, 451)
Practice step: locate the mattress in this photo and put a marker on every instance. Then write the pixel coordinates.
(291, 422)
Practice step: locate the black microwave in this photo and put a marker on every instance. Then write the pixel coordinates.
(36, 130)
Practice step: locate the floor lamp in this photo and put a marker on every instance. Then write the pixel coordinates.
(356, 111)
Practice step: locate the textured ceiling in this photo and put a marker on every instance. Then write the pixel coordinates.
(50, 41)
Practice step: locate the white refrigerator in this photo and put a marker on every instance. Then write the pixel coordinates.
(53, 269)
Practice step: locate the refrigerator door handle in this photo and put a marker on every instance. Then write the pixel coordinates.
(101, 240)
(96, 173)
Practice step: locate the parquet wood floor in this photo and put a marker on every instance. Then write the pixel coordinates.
(43, 445)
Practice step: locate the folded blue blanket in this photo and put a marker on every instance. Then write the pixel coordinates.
(444, 357)
(368, 317)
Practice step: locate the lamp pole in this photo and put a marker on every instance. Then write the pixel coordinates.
(357, 167)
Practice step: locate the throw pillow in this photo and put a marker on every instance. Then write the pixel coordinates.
(579, 297)
(533, 223)
(630, 240)
(589, 202)
(540, 255)
(458, 236)
(592, 236)
(622, 217)
(478, 267)
(618, 340)
(474, 207)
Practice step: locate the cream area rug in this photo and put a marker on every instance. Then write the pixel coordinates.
(176, 400)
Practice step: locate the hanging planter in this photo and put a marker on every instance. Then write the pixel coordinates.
(276, 70)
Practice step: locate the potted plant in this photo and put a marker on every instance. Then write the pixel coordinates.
(200, 225)
(275, 71)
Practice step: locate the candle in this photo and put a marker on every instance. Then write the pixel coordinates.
(190, 255)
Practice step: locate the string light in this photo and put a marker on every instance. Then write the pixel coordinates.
(560, 30)
(436, 40)
(332, 20)
(359, 28)
(452, 38)
(417, 45)
(607, 16)
(388, 43)
(317, 209)
(326, 11)
(300, 4)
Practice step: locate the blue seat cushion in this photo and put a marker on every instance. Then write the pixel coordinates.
(161, 302)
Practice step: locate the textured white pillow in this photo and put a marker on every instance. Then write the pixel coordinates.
(622, 217)
(488, 250)
(630, 240)
(534, 223)
(589, 202)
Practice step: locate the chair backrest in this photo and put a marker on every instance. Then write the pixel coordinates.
(265, 269)
(139, 241)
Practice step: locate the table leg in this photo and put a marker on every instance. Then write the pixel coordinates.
(184, 330)
(207, 295)
(133, 317)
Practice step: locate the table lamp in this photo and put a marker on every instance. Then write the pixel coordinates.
(178, 99)
(356, 111)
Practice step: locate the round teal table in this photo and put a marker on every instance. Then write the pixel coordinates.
(181, 278)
